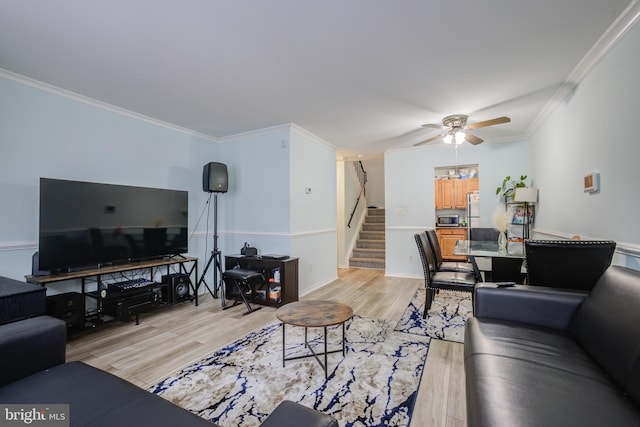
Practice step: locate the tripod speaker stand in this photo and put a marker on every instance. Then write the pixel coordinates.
(214, 258)
(214, 180)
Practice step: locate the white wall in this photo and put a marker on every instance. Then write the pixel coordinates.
(267, 206)
(43, 133)
(313, 214)
(349, 227)
(374, 166)
(410, 196)
(594, 130)
(256, 209)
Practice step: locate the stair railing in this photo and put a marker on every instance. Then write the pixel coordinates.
(362, 178)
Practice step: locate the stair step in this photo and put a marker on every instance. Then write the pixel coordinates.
(372, 244)
(369, 253)
(373, 227)
(372, 235)
(374, 219)
(367, 263)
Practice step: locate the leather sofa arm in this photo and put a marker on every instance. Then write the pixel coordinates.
(534, 305)
(31, 345)
(291, 414)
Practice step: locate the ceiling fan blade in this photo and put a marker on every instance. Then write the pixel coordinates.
(433, 138)
(496, 121)
(472, 139)
(432, 125)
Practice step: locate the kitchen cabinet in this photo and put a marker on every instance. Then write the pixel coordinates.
(473, 184)
(452, 193)
(447, 238)
(444, 194)
(460, 193)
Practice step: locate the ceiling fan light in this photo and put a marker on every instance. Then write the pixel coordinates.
(460, 137)
(448, 139)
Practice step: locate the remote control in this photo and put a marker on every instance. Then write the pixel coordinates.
(505, 284)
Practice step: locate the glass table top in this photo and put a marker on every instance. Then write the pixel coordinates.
(483, 248)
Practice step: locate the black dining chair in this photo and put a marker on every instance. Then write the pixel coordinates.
(484, 234)
(440, 263)
(436, 280)
(505, 269)
(570, 264)
(502, 269)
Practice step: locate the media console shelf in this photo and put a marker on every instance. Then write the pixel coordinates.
(125, 290)
(280, 284)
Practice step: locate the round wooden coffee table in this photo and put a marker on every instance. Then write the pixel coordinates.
(314, 314)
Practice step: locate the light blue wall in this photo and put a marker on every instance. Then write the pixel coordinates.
(44, 134)
(313, 214)
(256, 208)
(595, 130)
(267, 206)
(410, 195)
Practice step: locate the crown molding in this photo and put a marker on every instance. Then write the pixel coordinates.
(284, 127)
(270, 130)
(616, 31)
(313, 137)
(99, 104)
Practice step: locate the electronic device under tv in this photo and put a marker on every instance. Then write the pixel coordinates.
(89, 225)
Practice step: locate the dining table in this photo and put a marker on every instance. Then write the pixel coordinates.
(488, 248)
(481, 253)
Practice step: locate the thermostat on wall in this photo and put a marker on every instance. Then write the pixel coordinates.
(592, 182)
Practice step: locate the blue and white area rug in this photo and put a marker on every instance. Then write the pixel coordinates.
(445, 320)
(374, 384)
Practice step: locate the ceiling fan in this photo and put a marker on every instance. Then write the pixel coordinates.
(456, 127)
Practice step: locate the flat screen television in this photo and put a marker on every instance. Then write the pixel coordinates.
(88, 225)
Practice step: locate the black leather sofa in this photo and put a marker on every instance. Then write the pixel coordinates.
(540, 356)
(32, 357)
(568, 264)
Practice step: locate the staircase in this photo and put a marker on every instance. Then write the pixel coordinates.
(369, 250)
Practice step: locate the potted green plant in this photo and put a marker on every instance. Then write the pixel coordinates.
(508, 187)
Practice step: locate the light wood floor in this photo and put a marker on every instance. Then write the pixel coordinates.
(170, 339)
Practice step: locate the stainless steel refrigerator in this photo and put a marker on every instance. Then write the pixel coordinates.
(473, 211)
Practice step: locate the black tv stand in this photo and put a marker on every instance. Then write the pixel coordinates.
(95, 285)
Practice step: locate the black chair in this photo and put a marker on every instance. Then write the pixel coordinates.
(240, 279)
(434, 281)
(484, 234)
(441, 265)
(502, 269)
(571, 264)
(507, 270)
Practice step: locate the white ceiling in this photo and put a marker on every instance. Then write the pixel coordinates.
(364, 75)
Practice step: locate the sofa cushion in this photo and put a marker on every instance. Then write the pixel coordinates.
(534, 376)
(31, 345)
(607, 325)
(97, 398)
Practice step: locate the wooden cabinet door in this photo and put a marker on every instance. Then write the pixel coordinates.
(444, 194)
(460, 193)
(473, 184)
(438, 192)
(448, 239)
(448, 201)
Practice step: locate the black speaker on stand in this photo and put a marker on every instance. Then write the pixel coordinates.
(68, 307)
(177, 287)
(214, 180)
